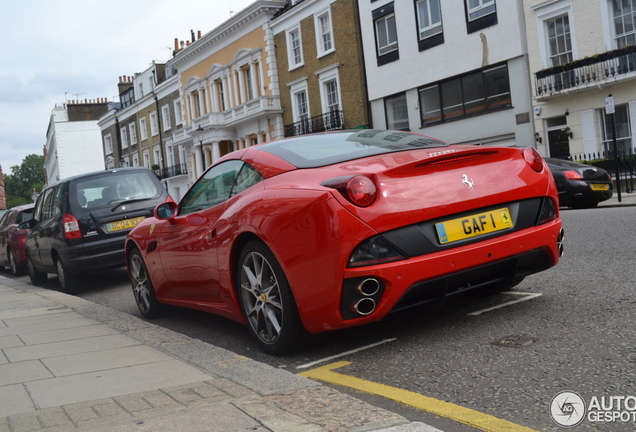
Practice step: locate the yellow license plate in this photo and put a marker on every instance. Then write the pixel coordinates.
(473, 225)
(599, 187)
(123, 224)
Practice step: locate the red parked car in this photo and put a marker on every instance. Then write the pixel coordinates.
(333, 230)
(12, 238)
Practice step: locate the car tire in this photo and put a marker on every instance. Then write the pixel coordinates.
(37, 277)
(142, 287)
(267, 301)
(69, 282)
(17, 270)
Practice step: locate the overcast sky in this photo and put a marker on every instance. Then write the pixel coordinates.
(53, 51)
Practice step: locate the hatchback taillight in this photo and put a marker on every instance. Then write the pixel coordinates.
(71, 227)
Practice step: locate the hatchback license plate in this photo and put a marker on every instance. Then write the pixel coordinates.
(123, 224)
(473, 225)
(599, 187)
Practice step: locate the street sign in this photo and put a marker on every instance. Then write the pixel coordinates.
(609, 105)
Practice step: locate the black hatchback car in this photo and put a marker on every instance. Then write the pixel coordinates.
(580, 185)
(80, 223)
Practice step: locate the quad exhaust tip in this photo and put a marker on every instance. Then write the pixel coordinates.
(364, 306)
(368, 287)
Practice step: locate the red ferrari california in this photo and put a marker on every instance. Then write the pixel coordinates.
(327, 231)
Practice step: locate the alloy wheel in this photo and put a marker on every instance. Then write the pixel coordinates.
(14, 265)
(139, 278)
(261, 296)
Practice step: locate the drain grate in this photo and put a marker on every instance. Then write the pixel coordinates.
(515, 341)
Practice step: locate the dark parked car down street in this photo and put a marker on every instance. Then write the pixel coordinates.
(12, 238)
(80, 223)
(580, 185)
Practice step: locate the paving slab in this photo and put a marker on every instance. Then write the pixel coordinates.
(103, 360)
(70, 321)
(86, 331)
(56, 349)
(54, 315)
(10, 342)
(224, 417)
(85, 387)
(14, 399)
(21, 313)
(14, 373)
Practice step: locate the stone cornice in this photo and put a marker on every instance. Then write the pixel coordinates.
(259, 10)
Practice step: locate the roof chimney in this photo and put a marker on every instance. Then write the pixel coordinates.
(124, 84)
(192, 35)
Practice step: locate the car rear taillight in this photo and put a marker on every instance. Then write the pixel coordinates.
(71, 227)
(548, 211)
(572, 175)
(20, 232)
(533, 159)
(372, 251)
(359, 190)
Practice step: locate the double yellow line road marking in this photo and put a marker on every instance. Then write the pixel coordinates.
(454, 412)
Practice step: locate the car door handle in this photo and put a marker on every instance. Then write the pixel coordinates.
(213, 233)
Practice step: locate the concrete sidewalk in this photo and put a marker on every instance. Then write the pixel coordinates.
(67, 364)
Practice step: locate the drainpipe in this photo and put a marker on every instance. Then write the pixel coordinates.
(161, 150)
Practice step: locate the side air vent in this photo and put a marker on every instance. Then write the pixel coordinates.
(152, 246)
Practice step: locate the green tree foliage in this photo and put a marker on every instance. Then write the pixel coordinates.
(23, 179)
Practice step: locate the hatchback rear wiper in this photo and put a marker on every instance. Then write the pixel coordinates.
(128, 202)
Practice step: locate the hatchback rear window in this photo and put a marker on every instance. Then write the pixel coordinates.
(115, 187)
(312, 151)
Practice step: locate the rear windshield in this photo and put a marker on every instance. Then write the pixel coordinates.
(565, 163)
(318, 150)
(24, 216)
(115, 187)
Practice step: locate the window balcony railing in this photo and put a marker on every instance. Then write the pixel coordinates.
(171, 171)
(333, 120)
(596, 69)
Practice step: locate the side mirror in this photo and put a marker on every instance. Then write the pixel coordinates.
(167, 210)
(27, 224)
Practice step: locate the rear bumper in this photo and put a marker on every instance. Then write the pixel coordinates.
(433, 277)
(580, 192)
(94, 256)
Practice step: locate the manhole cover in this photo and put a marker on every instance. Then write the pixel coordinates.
(515, 341)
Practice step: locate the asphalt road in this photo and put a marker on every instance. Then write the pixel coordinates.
(510, 362)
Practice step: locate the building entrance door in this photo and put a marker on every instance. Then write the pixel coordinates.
(559, 142)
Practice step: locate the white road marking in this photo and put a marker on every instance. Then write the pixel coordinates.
(527, 296)
(345, 353)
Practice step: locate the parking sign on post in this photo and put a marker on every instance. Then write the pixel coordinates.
(610, 109)
(609, 105)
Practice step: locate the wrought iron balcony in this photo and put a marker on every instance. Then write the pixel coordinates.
(171, 171)
(333, 120)
(596, 69)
